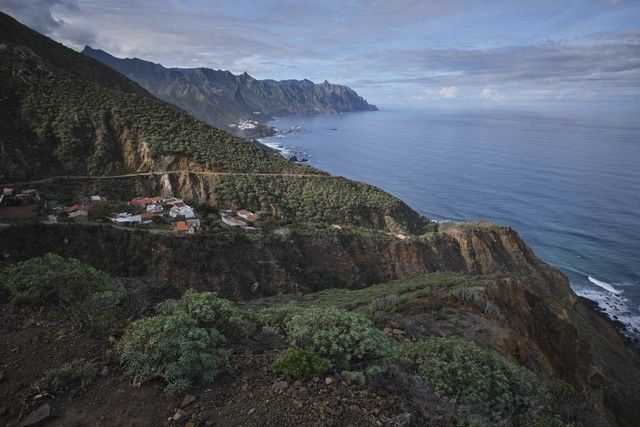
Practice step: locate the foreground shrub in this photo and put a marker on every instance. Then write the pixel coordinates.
(71, 377)
(337, 334)
(175, 348)
(184, 343)
(300, 363)
(210, 311)
(462, 370)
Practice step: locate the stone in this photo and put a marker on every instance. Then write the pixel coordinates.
(178, 415)
(190, 424)
(328, 380)
(280, 386)
(595, 378)
(251, 411)
(104, 371)
(188, 400)
(42, 413)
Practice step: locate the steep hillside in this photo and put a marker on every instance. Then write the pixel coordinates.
(64, 113)
(222, 99)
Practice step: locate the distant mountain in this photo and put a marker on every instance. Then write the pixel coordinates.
(225, 100)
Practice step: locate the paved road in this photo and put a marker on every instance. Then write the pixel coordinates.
(175, 172)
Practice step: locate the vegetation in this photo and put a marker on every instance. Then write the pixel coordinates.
(184, 344)
(70, 114)
(474, 296)
(89, 295)
(301, 363)
(342, 336)
(320, 200)
(71, 377)
(462, 370)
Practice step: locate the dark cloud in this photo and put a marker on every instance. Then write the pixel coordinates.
(38, 15)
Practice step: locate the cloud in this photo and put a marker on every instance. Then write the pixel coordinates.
(448, 92)
(46, 17)
(491, 94)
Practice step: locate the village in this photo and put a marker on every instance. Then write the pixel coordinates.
(155, 213)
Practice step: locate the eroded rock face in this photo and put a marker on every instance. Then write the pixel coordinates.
(550, 329)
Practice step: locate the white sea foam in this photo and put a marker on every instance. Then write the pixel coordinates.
(604, 285)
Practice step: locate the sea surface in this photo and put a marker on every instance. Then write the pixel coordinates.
(569, 185)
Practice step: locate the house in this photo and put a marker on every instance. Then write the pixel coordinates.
(249, 216)
(156, 208)
(180, 227)
(79, 215)
(144, 201)
(98, 199)
(171, 201)
(147, 217)
(78, 207)
(232, 222)
(184, 211)
(194, 226)
(124, 217)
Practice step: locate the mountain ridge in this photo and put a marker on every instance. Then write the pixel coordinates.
(225, 100)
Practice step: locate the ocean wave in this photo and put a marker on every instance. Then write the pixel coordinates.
(604, 285)
(616, 307)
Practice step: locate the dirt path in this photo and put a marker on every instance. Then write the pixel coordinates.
(172, 172)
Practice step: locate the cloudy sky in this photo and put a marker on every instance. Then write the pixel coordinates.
(393, 52)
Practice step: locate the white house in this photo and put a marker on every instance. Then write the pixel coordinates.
(186, 211)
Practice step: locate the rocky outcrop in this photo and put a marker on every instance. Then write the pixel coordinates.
(223, 99)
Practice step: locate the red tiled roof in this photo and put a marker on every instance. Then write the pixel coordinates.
(181, 226)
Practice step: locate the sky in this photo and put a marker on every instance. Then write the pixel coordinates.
(393, 52)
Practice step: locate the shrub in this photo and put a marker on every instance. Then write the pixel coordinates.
(301, 363)
(340, 335)
(472, 375)
(210, 311)
(355, 377)
(52, 279)
(475, 297)
(386, 303)
(71, 377)
(173, 347)
(87, 294)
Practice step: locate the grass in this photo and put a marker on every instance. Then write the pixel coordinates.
(361, 300)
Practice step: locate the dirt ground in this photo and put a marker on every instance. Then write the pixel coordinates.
(248, 394)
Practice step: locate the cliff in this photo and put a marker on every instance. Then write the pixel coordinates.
(223, 99)
(542, 323)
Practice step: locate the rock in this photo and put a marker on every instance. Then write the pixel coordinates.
(3, 410)
(1, 376)
(190, 424)
(293, 159)
(188, 400)
(595, 378)
(178, 415)
(328, 380)
(42, 413)
(251, 411)
(280, 386)
(104, 372)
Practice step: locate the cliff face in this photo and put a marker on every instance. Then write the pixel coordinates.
(222, 99)
(545, 326)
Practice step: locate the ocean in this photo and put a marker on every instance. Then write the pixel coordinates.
(569, 185)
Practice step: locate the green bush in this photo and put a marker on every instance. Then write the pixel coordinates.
(173, 347)
(52, 279)
(71, 377)
(300, 363)
(184, 344)
(355, 377)
(337, 334)
(210, 311)
(86, 294)
(472, 375)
